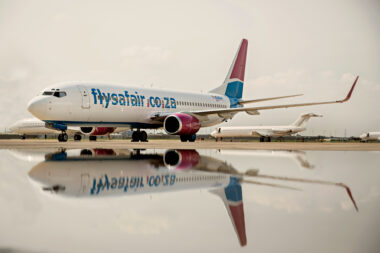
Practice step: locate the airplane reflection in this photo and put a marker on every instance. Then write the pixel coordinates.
(108, 172)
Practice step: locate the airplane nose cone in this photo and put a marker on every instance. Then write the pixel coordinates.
(37, 107)
(39, 175)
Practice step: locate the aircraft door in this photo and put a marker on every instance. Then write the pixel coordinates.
(85, 183)
(85, 97)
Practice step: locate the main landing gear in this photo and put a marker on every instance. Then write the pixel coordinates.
(190, 138)
(139, 136)
(77, 137)
(265, 139)
(63, 137)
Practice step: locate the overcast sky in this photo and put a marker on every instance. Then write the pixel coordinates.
(315, 48)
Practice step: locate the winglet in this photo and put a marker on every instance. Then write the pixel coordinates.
(350, 195)
(350, 92)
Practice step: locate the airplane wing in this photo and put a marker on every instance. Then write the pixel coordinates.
(263, 132)
(230, 112)
(266, 99)
(255, 110)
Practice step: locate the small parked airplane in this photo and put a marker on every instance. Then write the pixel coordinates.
(370, 136)
(297, 155)
(265, 132)
(90, 105)
(35, 126)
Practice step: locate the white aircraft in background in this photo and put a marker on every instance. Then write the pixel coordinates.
(102, 173)
(90, 105)
(265, 132)
(35, 126)
(297, 155)
(370, 136)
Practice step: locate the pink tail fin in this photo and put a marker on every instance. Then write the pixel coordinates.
(238, 65)
(233, 201)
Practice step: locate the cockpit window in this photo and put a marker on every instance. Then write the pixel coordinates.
(56, 93)
(47, 93)
(59, 94)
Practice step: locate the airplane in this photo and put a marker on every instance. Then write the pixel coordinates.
(101, 173)
(265, 132)
(35, 126)
(89, 105)
(370, 136)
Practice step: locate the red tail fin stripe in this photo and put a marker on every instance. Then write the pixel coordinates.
(237, 213)
(239, 67)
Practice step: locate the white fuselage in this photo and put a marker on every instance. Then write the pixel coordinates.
(31, 126)
(256, 131)
(370, 136)
(36, 126)
(95, 177)
(91, 104)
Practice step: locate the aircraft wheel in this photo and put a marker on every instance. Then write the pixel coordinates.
(261, 139)
(192, 137)
(23, 137)
(92, 138)
(62, 137)
(77, 137)
(65, 137)
(135, 136)
(183, 138)
(143, 136)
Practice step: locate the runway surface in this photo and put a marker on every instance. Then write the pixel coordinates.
(175, 144)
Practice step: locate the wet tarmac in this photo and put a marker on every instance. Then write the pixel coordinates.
(187, 200)
(162, 144)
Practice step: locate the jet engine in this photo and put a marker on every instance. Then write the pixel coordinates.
(181, 159)
(93, 131)
(181, 124)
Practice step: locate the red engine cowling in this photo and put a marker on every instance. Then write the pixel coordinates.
(97, 130)
(181, 124)
(181, 159)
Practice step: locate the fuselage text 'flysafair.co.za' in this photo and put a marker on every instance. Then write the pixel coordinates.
(128, 98)
(134, 182)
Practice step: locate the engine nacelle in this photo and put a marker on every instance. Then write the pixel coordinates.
(97, 130)
(181, 159)
(181, 124)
